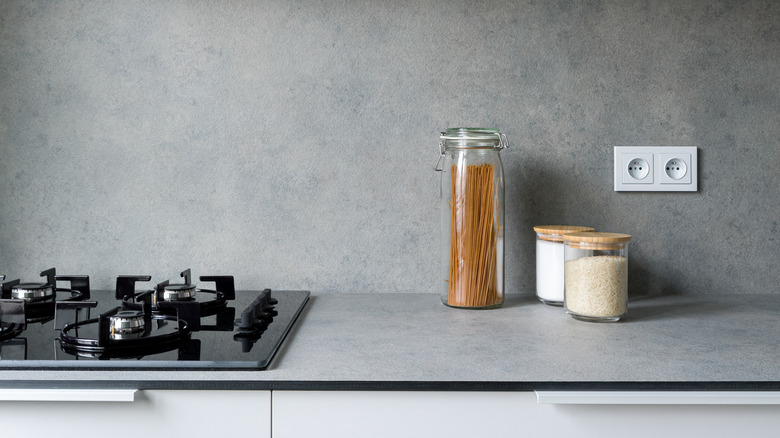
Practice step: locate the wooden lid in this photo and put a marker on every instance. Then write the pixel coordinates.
(554, 233)
(594, 237)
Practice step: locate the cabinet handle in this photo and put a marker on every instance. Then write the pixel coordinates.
(658, 397)
(68, 395)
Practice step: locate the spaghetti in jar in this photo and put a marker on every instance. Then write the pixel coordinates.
(472, 217)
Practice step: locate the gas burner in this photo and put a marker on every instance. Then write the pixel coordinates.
(169, 298)
(32, 292)
(178, 292)
(127, 324)
(40, 298)
(122, 333)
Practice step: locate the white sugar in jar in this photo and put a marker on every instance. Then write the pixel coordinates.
(596, 276)
(549, 261)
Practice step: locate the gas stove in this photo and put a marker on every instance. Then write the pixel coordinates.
(170, 326)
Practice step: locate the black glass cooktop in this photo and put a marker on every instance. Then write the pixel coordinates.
(173, 327)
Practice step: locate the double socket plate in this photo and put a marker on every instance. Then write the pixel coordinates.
(655, 168)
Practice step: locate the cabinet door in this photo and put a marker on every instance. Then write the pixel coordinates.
(78, 413)
(478, 414)
(396, 414)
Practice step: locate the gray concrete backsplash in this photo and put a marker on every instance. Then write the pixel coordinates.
(292, 143)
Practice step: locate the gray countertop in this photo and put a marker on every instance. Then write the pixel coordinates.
(412, 341)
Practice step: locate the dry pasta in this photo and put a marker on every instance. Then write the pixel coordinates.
(473, 228)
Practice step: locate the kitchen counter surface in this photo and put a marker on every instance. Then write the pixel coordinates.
(413, 342)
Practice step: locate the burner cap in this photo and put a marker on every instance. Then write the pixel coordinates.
(178, 292)
(127, 324)
(32, 291)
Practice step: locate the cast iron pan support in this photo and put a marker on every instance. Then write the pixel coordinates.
(51, 275)
(225, 284)
(79, 283)
(125, 285)
(6, 288)
(64, 309)
(187, 275)
(187, 311)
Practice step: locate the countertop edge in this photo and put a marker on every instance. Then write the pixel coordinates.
(461, 386)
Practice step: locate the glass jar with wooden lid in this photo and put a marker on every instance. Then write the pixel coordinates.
(596, 275)
(549, 261)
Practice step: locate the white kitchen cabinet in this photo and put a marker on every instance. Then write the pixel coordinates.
(119, 414)
(299, 414)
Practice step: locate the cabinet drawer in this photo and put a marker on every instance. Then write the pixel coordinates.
(469, 414)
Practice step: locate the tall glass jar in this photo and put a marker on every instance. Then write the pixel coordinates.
(472, 217)
(595, 276)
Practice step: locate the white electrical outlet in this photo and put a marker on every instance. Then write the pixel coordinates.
(637, 168)
(674, 169)
(655, 168)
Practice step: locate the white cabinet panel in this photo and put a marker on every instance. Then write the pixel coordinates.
(395, 414)
(298, 414)
(151, 413)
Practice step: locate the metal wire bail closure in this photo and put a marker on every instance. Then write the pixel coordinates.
(503, 143)
(438, 167)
